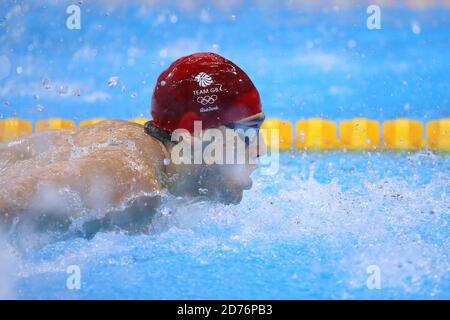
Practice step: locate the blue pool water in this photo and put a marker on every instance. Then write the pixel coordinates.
(305, 63)
(309, 231)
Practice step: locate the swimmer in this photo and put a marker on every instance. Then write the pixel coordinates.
(119, 169)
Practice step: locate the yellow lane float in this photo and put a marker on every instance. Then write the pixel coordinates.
(402, 134)
(438, 134)
(90, 122)
(140, 120)
(14, 128)
(316, 133)
(277, 131)
(359, 133)
(54, 124)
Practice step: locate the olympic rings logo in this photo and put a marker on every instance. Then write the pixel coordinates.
(207, 99)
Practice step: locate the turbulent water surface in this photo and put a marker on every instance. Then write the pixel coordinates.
(311, 231)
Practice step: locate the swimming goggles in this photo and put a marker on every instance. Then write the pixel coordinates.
(247, 129)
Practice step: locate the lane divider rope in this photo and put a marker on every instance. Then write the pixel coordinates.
(309, 134)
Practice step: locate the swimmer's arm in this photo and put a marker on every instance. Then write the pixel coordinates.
(104, 175)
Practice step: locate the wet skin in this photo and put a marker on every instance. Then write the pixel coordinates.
(113, 168)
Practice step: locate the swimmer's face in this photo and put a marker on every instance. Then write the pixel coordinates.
(232, 179)
(224, 182)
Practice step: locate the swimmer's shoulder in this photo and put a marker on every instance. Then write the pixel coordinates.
(126, 136)
(119, 131)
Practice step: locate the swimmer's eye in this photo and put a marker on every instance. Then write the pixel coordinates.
(248, 129)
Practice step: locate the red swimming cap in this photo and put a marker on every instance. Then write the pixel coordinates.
(206, 87)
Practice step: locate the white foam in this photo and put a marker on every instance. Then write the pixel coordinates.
(398, 226)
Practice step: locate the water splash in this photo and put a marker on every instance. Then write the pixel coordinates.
(309, 232)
